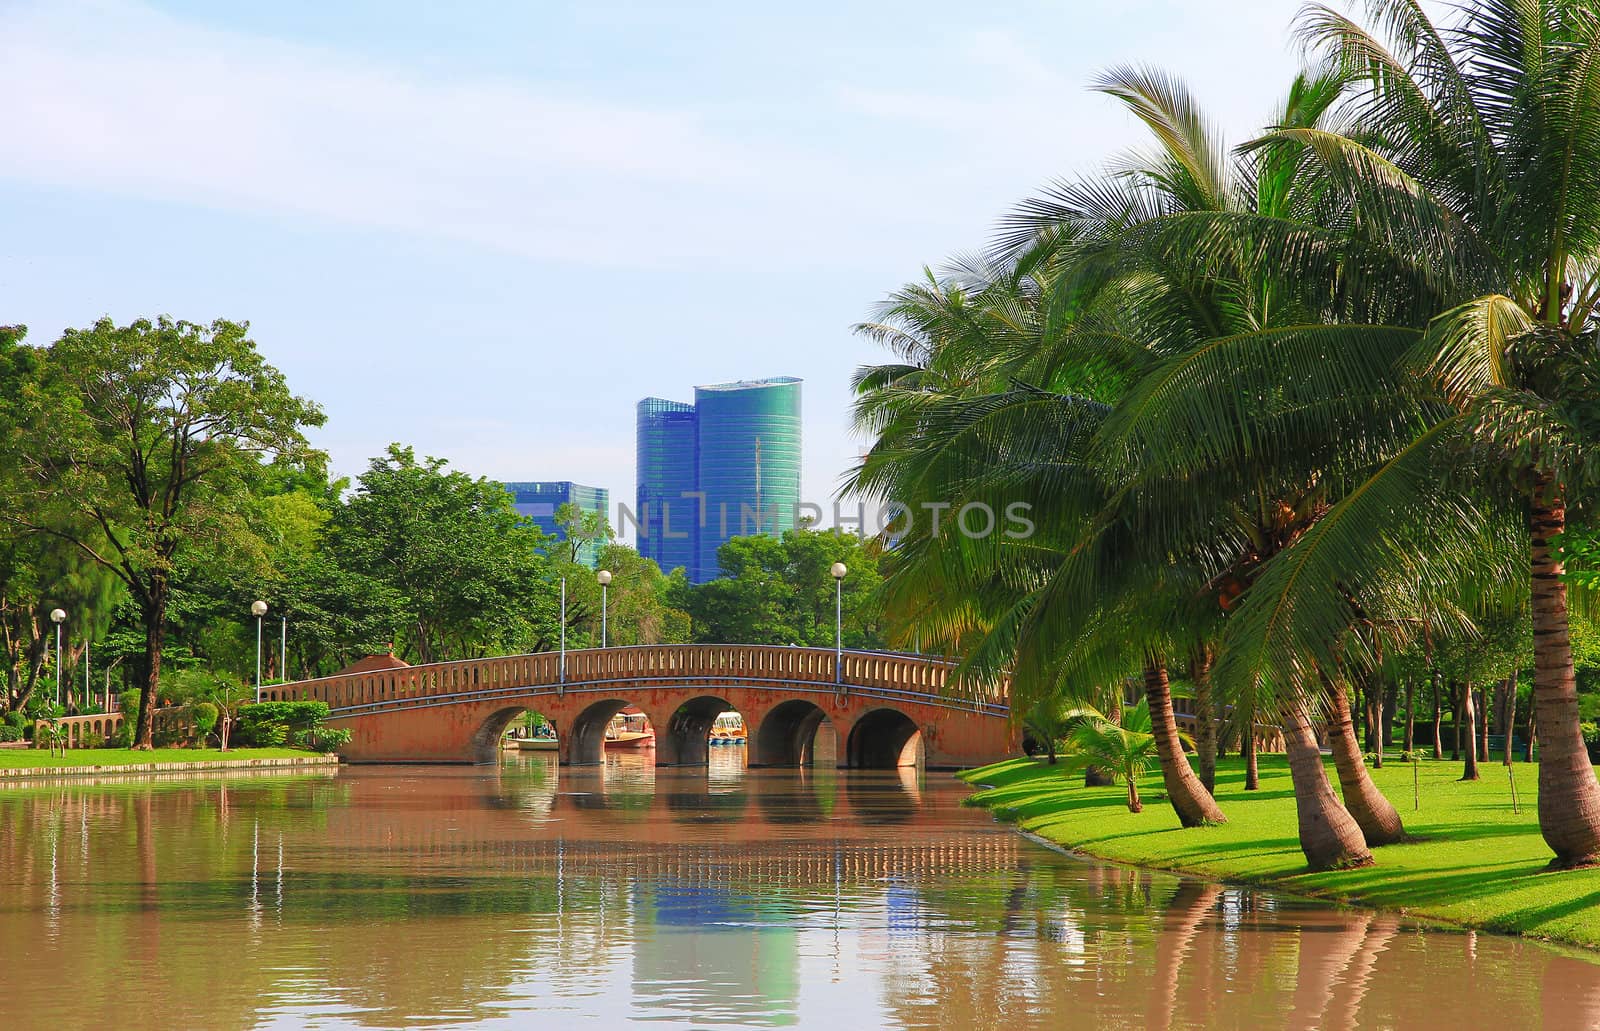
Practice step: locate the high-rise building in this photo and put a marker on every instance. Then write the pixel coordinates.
(539, 499)
(668, 512)
(726, 466)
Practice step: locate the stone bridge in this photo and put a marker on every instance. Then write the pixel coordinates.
(885, 708)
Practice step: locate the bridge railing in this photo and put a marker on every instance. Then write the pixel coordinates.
(713, 663)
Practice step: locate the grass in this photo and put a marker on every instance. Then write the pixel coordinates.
(1473, 861)
(40, 758)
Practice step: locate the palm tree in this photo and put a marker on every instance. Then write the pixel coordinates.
(1127, 749)
(1473, 149)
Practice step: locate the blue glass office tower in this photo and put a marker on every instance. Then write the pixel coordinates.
(539, 499)
(667, 514)
(738, 447)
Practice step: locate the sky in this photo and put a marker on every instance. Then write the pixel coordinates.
(487, 230)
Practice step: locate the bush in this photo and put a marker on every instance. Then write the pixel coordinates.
(1591, 739)
(268, 724)
(92, 739)
(10, 733)
(325, 739)
(122, 737)
(203, 715)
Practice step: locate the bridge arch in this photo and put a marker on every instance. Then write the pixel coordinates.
(787, 734)
(685, 739)
(883, 739)
(585, 743)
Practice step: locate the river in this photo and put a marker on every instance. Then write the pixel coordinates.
(524, 895)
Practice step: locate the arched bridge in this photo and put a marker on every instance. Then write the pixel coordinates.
(881, 705)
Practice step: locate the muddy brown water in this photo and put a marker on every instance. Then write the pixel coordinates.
(527, 896)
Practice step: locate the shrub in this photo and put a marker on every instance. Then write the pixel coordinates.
(203, 715)
(325, 739)
(122, 737)
(10, 733)
(92, 739)
(1591, 739)
(268, 724)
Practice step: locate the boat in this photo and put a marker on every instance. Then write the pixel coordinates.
(728, 729)
(533, 744)
(630, 728)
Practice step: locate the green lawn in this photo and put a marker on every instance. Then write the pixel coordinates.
(40, 758)
(1473, 862)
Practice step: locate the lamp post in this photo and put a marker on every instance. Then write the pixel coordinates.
(283, 649)
(604, 577)
(561, 677)
(258, 609)
(838, 570)
(58, 616)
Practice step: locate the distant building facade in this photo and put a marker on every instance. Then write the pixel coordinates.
(726, 466)
(539, 500)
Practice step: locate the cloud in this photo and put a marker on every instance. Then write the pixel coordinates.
(119, 97)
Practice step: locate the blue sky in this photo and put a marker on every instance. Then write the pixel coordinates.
(487, 230)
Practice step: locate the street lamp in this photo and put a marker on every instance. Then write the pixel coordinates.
(258, 609)
(605, 582)
(838, 570)
(58, 616)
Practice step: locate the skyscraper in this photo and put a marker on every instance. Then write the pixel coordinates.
(668, 515)
(539, 499)
(737, 449)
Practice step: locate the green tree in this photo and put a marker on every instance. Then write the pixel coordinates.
(461, 573)
(143, 439)
(779, 590)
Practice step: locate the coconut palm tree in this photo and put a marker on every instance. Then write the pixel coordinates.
(1473, 148)
(1127, 749)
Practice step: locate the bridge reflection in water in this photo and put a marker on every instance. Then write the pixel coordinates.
(402, 897)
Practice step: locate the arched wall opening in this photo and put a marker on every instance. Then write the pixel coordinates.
(788, 736)
(491, 737)
(586, 744)
(883, 739)
(686, 740)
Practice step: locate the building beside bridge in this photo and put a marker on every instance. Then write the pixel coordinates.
(726, 466)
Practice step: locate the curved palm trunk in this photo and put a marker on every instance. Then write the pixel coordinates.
(1205, 733)
(1509, 721)
(1190, 799)
(1329, 836)
(1379, 822)
(1569, 795)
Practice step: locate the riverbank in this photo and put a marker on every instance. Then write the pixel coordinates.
(18, 764)
(1473, 861)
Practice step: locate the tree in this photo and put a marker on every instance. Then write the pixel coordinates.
(459, 573)
(1473, 152)
(1128, 748)
(142, 440)
(582, 528)
(778, 590)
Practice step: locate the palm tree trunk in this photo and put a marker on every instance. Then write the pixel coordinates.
(1455, 720)
(1379, 822)
(1205, 732)
(1134, 805)
(1438, 717)
(1569, 795)
(1468, 717)
(1329, 836)
(1190, 799)
(1483, 724)
(1247, 748)
(1375, 720)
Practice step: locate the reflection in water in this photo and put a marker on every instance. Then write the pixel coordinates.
(433, 897)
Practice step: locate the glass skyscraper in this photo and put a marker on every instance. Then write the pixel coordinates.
(738, 448)
(539, 499)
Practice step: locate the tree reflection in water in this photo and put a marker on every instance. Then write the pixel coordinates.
(388, 897)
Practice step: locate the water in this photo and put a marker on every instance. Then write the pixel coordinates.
(447, 897)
